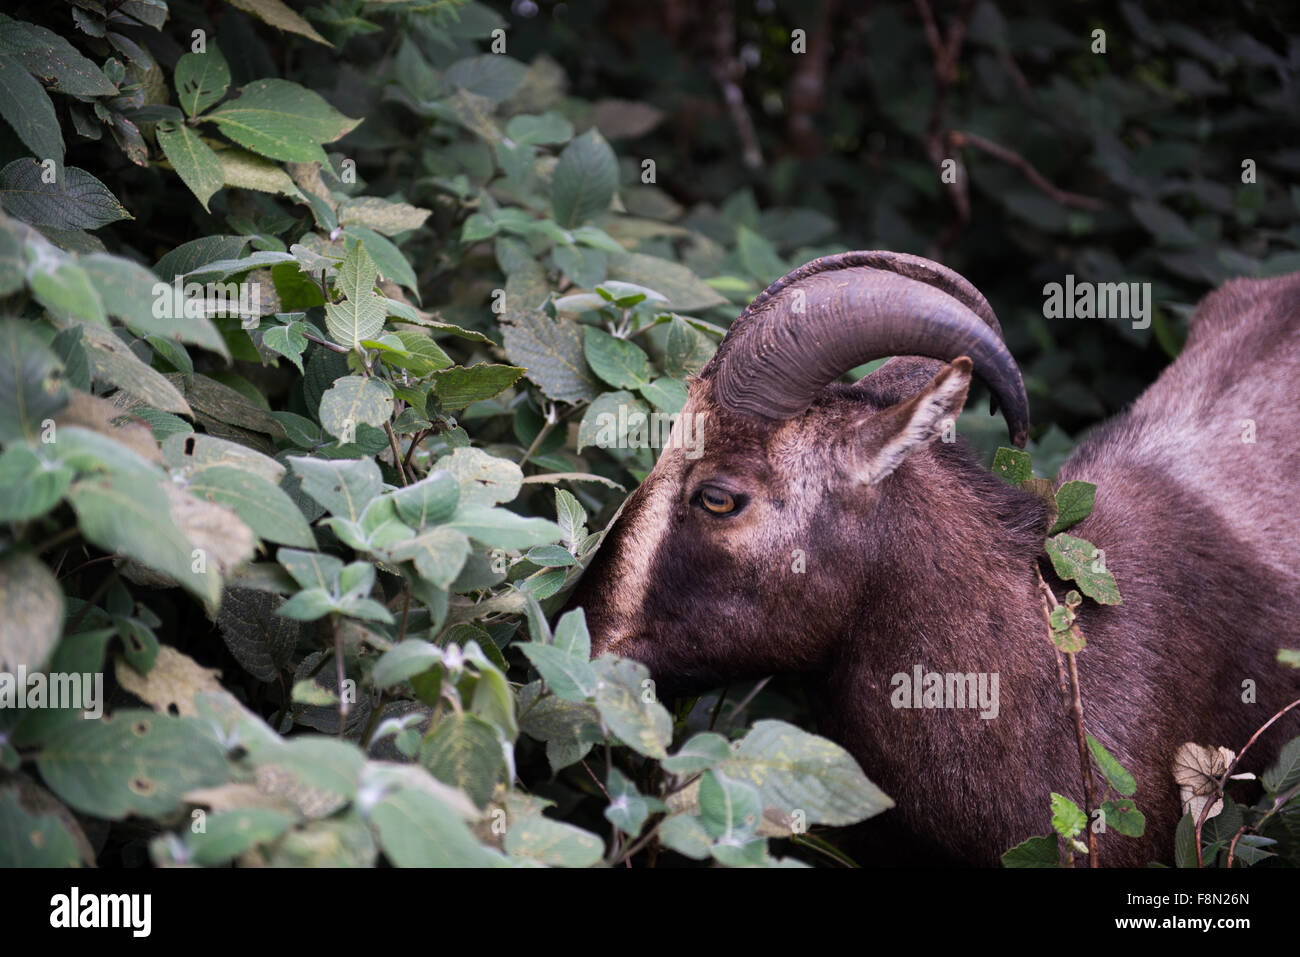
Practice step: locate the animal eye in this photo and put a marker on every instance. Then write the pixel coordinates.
(717, 501)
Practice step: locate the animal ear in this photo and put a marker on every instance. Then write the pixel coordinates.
(890, 436)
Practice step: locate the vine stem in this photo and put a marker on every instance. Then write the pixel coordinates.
(1074, 708)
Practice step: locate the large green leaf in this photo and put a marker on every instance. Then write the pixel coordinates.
(625, 699)
(79, 202)
(439, 554)
(622, 364)
(29, 486)
(1079, 561)
(552, 353)
(26, 107)
(585, 180)
(361, 316)
(797, 771)
(132, 762)
(418, 830)
(484, 479)
(553, 843)
(685, 290)
(269, 512)
(343, 486)
(430, 500)
(112, 361)
(352, 400)
(194, 161)
(465, 752)
(281, 120)
(501, 528)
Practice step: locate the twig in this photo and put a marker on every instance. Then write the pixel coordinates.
(1075, 706)
(91, 601)
(397, 453)
(1278, 803)
(332, 346)
(960, 138)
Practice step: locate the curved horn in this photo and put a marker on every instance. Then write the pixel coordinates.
(814, 324)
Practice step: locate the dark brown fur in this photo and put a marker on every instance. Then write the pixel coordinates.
(934, 565)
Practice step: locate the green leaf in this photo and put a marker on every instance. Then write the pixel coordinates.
(201, 79)
(1073, 504)
(666, 395)
(52, 58)
(80, 202)
(227, 834)
(1012, 466)
(1079, 561)
(31, 612)
(628, 808)
(584, 181)
(310, 569)
(686, 351)
(1033, 852)
(416, 829)
(281, 16)
(621, 363)
(552, 353)
(60, 285)
(289, 340)
(500, 528)
(131, 762)
(361, 316)
(1285, 774)
(30, 838)
(26, 107)
(463, 750)
(571, 517)
(343, 486)
(1114, 772)
(544, 130)
(352, 400)
(625, 699)
(29, 485)
(130, 292)
(685, 834)
(568, 676)
(429, 501)
(439, 554)
(729, 810)
(458, 386)
(281, 120)
(404, 661)
(703, 751)
(553, 843)
(266, 509)
(194, 161)
(1067, 819)
(112, 361)
(1123, 817)
(484, 479)
(685, 291)
(30, 381)
(611, 420)
(794, 770)
(569, 730)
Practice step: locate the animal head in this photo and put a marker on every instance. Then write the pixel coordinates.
(778, 486)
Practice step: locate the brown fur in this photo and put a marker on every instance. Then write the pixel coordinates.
(934, 565)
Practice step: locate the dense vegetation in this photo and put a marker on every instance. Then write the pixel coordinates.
(330, 341)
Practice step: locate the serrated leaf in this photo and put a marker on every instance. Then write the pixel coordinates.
(280, 16)
(193, 160)
(281, 120)
(1073, 504)
(201, 79)
(620, 363)
(249, 171)
(551, 352)
(79, 202)
(685, 291)
(1033, 852)
(1123, 817)
(1067, 818)
(584, 181)
(289, 340)
(362, 315)
(484, 479)
(459, 386)
(1076, 560)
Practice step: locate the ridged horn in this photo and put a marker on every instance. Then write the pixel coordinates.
(826, 317)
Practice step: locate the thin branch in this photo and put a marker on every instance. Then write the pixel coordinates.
(332, 346)
(1074, 708)
(397, 453)
(727, 70)
(960, 138)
